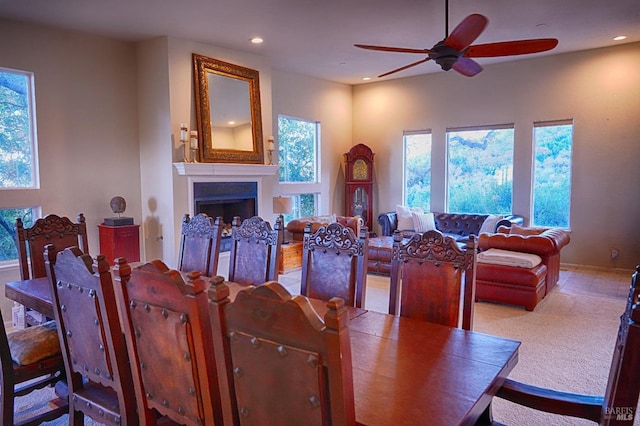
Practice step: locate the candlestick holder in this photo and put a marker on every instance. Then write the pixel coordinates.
(184, 142)
(270, 156)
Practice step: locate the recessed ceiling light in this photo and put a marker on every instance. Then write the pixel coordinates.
(620, 37)
(257, 40)
(366, 78)
(231, 123)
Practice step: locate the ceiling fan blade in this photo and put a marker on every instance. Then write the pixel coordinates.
(394, 49)
(404, 67)
(466, 32)
(509, 48)
(467, 67)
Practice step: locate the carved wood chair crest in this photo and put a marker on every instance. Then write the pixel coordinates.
(433, 246)
(334, 237)
(254, 229)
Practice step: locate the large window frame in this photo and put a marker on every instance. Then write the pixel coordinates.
(305, 193)
(18, 142)
(467, 188)
(416, 176)
(551, 173)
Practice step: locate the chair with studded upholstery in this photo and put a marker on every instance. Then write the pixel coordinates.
(334, 263)
(285, 364)
(99, 381)
(168, 335)
(200, 244)
(255, 250)
(433, 279)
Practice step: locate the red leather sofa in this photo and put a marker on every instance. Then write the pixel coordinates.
(516, 285)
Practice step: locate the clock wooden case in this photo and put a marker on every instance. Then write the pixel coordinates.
(359, 183)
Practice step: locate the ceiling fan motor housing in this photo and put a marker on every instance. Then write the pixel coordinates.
(445, 56)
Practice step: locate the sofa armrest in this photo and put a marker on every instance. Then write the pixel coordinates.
(536, 244)
(388, 223)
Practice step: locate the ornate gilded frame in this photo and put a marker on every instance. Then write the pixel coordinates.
(202, 67)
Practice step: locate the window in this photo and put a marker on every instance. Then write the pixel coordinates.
(8, 249)
(480, 170)
(298, 147)
(552, 173)
(417, 169)
(17, 130)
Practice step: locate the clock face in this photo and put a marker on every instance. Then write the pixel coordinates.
(360, 170)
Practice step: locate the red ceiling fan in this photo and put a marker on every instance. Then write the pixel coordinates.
(456, 51)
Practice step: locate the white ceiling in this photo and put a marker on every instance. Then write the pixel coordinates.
(316, 37)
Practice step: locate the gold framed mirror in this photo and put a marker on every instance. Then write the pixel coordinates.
(228, 112)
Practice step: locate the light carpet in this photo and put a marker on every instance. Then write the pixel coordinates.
(567, 344)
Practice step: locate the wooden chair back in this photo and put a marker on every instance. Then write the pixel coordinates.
(169, 339)
(285, 364)
(255, 250)
(51, 229)
(43, 367)
(99, 379)
(619, 403)
(200, 244)
(334, 263)
(433, 279)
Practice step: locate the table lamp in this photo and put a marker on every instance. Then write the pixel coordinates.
(282, 205)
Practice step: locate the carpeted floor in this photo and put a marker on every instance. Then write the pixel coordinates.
(567, 342)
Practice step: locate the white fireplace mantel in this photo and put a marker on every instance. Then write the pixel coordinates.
(223, 169)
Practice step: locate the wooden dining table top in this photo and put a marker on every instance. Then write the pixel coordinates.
(405, 371)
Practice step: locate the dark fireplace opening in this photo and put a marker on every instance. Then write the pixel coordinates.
(226, 199)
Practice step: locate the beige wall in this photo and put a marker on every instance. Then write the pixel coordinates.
(330, 104)
(598, 89)
(86, 109)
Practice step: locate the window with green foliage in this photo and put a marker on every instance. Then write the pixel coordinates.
(417, 169)
(552, 173)
(298, 148)
(480, 170)
(8, 250)
(17, 147)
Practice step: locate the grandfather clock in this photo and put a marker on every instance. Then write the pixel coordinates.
(359, 183)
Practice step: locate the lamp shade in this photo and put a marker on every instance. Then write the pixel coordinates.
(281, 205)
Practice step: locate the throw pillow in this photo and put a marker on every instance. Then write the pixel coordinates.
(489, 224)
(34, 343)
(423, 222)
(405, 220)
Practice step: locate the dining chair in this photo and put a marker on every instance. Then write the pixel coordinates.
(99, 381)
(334, 263)
(30, 359)
(618, 404)
(52, 229)
(200, 244)
(255, 250)
(168, 336)
(433, 278)
(285, 364)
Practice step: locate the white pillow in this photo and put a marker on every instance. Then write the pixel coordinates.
(509, 258)
(489, 224)
(405, 221)
(423, 222)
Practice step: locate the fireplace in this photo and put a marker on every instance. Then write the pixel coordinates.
(226, 199)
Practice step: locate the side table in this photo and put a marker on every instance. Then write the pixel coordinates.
(120, 241)
(290, 256)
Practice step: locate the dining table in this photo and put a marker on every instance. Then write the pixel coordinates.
(405, 371)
